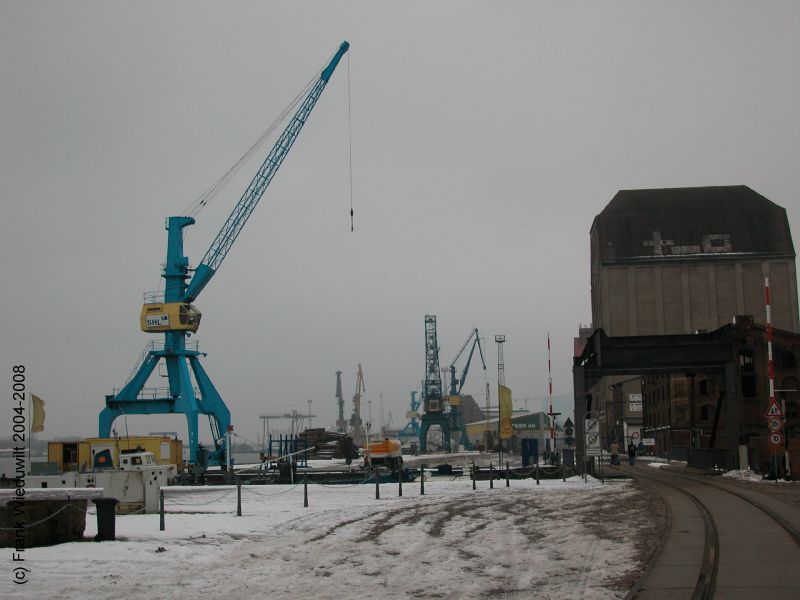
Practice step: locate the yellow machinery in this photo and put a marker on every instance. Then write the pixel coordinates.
(79, 455)
(169, 316)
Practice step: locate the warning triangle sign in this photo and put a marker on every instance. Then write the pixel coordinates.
(773, 410)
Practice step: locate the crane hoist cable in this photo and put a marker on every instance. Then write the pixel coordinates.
(350, 141)
(195, 207)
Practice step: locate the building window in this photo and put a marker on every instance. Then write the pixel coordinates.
(747, 374)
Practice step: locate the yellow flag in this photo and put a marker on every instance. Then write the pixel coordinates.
(38, 414)
(506, 430)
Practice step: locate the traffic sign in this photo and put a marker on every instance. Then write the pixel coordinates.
(592, 444)
(776, 438)
(773, 410)
(774, 424)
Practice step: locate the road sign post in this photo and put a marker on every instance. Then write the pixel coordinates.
(774, 415)
(592, 433)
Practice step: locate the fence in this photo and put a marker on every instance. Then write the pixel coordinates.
(230, 499)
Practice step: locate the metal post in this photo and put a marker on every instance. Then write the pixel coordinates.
(238, 499)
(400, 482)
(491, 477)
(563, 472)
(507, 484)
(161, 510)
(305, 490)
(228, 457)
(422, 481)
(377, 486)
(473, 474)
(537, 473)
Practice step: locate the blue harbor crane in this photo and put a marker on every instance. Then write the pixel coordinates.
(174, 314)
(411, 430)
(456, 384)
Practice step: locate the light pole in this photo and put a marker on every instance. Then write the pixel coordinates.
(501, 382)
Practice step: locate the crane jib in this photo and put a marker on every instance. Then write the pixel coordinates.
(244, 208)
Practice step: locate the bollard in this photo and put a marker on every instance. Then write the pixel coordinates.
(161, 502)
(400, 482)
(563, 473)
(377, 487)
(106, 516)
(507, 484)
(238, 499)
(422, 482)
(473, 474)
(537, 473)
(491, 477)
(305, 491)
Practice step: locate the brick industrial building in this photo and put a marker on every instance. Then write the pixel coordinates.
(684, 261)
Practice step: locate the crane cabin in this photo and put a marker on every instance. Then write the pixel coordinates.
(169, 316)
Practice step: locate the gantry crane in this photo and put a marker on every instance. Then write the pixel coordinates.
(174, 314)
(454, 399)
(432, 390)
(356, 423)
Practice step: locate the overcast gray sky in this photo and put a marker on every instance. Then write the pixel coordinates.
(485, 138)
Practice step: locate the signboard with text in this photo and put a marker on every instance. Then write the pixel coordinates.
(592, 437)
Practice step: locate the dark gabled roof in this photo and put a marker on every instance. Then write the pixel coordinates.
(701, 222)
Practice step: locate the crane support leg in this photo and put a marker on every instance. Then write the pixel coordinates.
(440, 419)
(211, 403)
(132, 400)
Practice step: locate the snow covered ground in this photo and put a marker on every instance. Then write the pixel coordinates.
(555, 540)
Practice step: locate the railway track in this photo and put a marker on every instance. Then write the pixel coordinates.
(721, 542)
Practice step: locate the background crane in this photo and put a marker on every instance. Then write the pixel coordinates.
(173, 314)
(411, 430)
(432, 390)
(456, 384)
(341, 424)
(356, 423)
